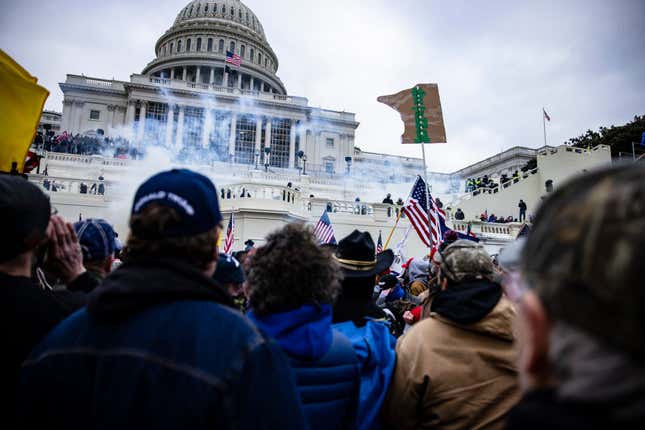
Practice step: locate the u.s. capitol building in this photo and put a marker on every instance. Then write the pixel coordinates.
(275, 158)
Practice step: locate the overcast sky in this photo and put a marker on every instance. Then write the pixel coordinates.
(496, 62)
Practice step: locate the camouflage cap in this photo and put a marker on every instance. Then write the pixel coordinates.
(584, 257)
(466, 260)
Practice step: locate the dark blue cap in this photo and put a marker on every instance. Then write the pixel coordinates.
(191, 194)
(97, 238)
(229, 270)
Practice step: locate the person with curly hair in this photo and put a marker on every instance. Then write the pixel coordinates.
(292, 285)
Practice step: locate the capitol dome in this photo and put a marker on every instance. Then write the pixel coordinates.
(194, 48)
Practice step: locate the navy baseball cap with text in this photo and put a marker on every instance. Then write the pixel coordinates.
(191, 194)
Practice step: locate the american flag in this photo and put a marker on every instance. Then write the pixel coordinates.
(379, 244)
(230, 238)
(546, 115)
(416, 208)
(323, 231)
(233, 58)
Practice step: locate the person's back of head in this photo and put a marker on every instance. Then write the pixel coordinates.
(176, 216)
(291, 270)
(583, 310)
(98, 244)
(24, 217)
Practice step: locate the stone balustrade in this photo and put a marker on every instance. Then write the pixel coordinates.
(80, 187)
(489, 229)
(250, 191)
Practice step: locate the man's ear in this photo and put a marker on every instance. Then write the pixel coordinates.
(535, 329)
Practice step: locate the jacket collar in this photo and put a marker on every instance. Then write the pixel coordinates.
(144, 282)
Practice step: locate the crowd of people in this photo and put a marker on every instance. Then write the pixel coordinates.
(163, 331)
(117, 147)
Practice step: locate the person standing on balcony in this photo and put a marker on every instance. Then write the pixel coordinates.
(459, 215)
(388, 199)
(522, 207)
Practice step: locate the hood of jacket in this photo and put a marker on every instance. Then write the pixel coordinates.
(304, 333)
(419, 270)
(144, 282)
(477, 306)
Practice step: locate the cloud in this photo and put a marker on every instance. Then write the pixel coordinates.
(497, 63)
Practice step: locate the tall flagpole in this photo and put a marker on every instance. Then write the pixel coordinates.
(425, 178)
(544, 125)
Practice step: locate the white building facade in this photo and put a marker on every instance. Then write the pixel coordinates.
(188, 99)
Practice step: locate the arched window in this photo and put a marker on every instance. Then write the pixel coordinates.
(259, 58)
(221, 45)
(210, 45)
(199, 43)
(164, 50)
(191, 11)
(232, 47)
(239, 13)
(266, 61)
(232, 12)
(242, 51)
(214, 7)
(179, 46)
(223, 9)
(206, 8)
(247, 17)
(188, 42)
(171, 46)
(252, 57)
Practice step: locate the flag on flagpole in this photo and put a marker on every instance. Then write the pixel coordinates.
(643, 139)
(324, 231)
(424, 215)
(233, 58)
(546, 115)
(379, 244)
(21, 103)
(230, 237)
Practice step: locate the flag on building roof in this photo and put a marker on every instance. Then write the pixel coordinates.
(233, 58)
(324, 231)
(21, 103)
(546, 115)
(424, 215)
(230, 237)
(379, 244)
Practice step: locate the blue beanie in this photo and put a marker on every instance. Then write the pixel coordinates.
(97, 238)
(191, 194)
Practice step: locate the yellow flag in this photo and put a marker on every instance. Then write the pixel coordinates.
(21, 103)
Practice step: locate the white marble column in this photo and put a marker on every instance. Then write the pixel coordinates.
(239, 80)
(184, 73)
(68, 107)
(225, 80)
(211, 79)
(231, 138)
(179, 139)
(258, 133)
(110, 120)
(251, 83)
(292, 144)
(142, 121)
(79, 115)
(267, 134)
(172, 73)
(169, 125)
(198, 75)
(207, 128)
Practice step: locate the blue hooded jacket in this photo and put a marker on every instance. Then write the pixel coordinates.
(374, 347)
(323, 361)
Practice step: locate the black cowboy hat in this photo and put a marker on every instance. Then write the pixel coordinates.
(356, 256)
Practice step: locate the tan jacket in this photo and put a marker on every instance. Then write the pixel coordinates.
(455, 377)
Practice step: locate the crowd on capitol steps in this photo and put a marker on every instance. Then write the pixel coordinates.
(161, 330)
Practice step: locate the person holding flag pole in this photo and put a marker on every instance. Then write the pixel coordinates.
(230, 236)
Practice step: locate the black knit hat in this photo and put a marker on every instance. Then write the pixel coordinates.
(24, 216)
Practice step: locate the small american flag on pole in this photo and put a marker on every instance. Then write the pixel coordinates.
(379, 244)
(230, 238)
(233, 58)
(546, 115)
(323, 231)
(425, 220)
